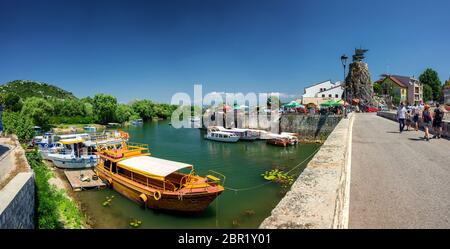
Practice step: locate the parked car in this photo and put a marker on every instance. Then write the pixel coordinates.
(372, 109)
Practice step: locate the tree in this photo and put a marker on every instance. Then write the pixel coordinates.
(396, 100)
(12, 102)
(16, 123)
(68, 107)
(104, 107)
(377, 88)
(427, 93)
(144, 108)
(430, 77)
(124, 113)
(39, 110)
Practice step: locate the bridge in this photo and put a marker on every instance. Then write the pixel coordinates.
(368, 175)
(397, 180)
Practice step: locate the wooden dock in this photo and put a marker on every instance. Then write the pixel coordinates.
(82, 179)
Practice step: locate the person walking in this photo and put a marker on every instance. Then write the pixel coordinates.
(427, 119)
(437, 121)
(416, 114)
(408, 120)
(401, 115)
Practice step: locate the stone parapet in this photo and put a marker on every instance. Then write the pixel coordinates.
(319, 197)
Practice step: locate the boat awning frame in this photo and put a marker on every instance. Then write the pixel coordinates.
(152, 166)
(71, 141)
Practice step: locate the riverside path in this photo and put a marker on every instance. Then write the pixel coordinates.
(397, 180)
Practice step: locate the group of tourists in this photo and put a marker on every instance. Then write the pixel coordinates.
(412, 117)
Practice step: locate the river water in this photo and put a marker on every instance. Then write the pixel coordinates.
(245, 206)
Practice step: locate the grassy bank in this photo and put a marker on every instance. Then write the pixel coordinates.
(54, 208)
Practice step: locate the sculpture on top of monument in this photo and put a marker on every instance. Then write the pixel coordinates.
(358, 85)
(359, 54)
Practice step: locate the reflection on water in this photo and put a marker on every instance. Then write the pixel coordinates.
(242, 163)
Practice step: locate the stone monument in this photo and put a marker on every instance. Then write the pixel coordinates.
(358, 85)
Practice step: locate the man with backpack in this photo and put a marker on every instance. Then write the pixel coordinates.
(437, 121)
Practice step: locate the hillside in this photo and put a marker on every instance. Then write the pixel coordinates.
(27, 88)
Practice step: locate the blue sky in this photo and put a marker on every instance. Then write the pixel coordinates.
(152, 49)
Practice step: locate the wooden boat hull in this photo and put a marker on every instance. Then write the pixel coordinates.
(278, 142)
(172, 201)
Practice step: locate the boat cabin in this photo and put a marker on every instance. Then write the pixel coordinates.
(221, 134)
(150, 171)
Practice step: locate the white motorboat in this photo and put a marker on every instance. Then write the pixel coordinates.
(46, 143)
(222, 136)
(244, 134)
(77, 153)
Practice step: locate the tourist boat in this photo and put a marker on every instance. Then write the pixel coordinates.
(73, 153)
(221, 136)
(156, 183)
(292, 137)
(244, 134)
(284, 139)
(77, 153)
(46, 142)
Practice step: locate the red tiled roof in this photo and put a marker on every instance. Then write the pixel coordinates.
(402, 81)
(399, 81)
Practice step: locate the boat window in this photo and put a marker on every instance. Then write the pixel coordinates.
(113, 167)
(107, 164)
(139, 178)
(123, 172)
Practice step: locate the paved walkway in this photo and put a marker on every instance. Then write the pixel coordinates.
(397, 180)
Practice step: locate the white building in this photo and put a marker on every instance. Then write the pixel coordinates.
(447, 95)
(321, 92)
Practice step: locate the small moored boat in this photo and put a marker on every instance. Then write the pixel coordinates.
(282, 142)
(222, 136)
(72, 154)
(137, 122)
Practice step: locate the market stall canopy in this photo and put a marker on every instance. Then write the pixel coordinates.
(152, 166)
(331, 103)
(292, 104)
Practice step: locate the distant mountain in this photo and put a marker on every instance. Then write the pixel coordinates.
(28, 88)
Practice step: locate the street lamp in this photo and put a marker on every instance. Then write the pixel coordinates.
(344, 63)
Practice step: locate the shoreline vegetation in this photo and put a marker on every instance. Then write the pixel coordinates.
(27, 104)
(55, 208)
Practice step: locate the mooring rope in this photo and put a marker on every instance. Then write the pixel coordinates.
(263, 184)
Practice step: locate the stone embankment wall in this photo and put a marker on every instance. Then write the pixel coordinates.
(308, 126)
(445, 124)
(17, 201)
(17, 198)
(319, 197)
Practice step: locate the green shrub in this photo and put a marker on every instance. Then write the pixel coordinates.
(72, 120)
(16, 123)
(54, 209)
